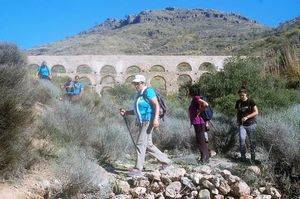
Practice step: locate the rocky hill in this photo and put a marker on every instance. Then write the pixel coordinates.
(169, 32)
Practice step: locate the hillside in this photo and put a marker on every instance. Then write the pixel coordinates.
(154, 32)
(286, 35)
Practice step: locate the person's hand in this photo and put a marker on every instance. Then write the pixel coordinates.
(122, 111)
(155, 123)
(244, 119)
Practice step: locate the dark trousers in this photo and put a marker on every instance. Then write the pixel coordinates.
(202, 144)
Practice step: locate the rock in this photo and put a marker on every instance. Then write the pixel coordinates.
(233, 179)
(218, 196)
(173, 190)
(194, 193)
(204, 194)
(216, 181)
(138, 191)
(225, 173)
(208, 185)
(203, 169)
(187, 182)
(214, 191)
(255, 193)
(121, 187)
(224, 187)
(262, 189)
(240, 189)
(156, 187)
(149, 196)
(123, 196)
(173, 173)
(154, 175)
(275, 193)
(196, 177)
(141, 183)
(264, 196)
(254, 169)
(212, 153)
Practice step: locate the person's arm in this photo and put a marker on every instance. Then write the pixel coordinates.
(251, 115)
(155, 104)
(203, 102)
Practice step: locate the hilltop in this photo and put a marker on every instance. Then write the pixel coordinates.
(170, 31)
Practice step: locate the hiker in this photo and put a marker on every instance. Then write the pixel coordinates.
(69, 88)
(78, 88)
(43, 71)
(147, 112)
(246, 113)
(196, 106)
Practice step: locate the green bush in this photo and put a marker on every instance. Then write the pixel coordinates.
(15, 112)
(267, 90)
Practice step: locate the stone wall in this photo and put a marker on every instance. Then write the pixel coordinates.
(105, 71)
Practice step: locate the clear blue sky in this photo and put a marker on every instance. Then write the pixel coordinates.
(30, 23)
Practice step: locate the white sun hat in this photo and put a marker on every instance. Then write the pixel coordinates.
(139, 78)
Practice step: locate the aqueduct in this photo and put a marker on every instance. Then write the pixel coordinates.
(102, 72)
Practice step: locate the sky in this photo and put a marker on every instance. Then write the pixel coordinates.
(31, 23)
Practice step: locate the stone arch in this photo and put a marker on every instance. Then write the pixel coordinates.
(85, 81)
(105, 90)
(129, 79)
(158, 82)
(84, 69)
(184, 79)
(157, 68)
(33, 68)
(108, 79)
(58, 69)
(133, 70)
(207, 66)
(108, 69)
(184, 66)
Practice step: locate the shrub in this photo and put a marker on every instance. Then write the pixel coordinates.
(79, 174)
(15, 112)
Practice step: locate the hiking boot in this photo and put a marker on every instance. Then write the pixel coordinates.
(134, 173)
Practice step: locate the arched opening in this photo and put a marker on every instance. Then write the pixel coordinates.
(107, 80)
(184, 79)
(207, 66)
(33, 68)
(158, 82)
(84, 69)
(107, 69)
(105, 90)
(157, 68)
(183, 67)
(133, 70)
(58, 69)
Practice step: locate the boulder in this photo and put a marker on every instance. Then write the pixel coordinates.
(138, 191)
(173, 190)
(204, 194)
(203, 169)
(121, 187)
(173, 173)
(240, 189)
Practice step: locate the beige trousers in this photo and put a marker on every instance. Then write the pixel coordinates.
(145, 143)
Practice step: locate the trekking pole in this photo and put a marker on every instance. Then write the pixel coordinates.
(128, 128)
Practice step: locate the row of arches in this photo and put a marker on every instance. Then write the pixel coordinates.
(108, 69)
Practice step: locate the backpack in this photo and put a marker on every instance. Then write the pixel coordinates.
(207, 114)
(161, 102)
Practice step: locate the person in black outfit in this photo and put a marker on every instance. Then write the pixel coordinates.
(246, 113)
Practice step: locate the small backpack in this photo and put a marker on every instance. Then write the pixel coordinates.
(161, 102)
(207, 113)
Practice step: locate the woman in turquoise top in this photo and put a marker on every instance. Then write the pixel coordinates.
(146, 108)
(43, 71)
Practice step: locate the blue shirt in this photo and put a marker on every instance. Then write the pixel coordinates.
(43, 70)
(78, 87)
(143, 107)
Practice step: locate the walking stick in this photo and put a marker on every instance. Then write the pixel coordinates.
(128, 128)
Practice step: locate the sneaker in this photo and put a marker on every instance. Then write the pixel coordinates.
(135, 173)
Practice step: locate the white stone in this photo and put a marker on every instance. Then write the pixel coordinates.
(204, 194)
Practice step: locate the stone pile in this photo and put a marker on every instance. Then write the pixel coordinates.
(200, 183)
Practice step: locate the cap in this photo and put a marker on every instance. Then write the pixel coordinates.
(139, 78)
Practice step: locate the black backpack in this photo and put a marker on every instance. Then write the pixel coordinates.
(208, 113)
(161, 102)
